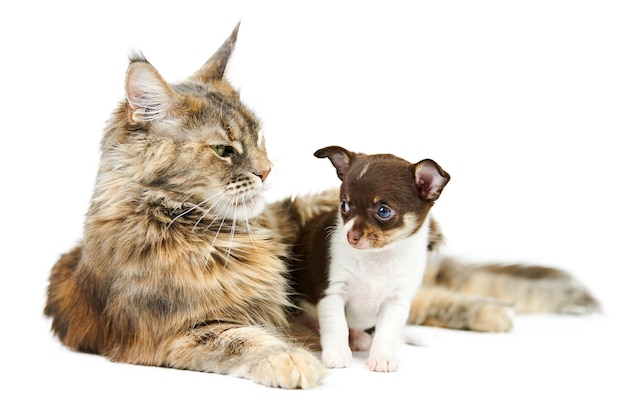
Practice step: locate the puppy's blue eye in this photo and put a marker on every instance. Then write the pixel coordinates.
(345, 207)
(384, 212)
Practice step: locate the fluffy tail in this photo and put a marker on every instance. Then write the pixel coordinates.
(528, 288)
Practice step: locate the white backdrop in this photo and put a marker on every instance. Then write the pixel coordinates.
(523, 103)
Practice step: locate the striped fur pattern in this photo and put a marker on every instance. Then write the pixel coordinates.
(181, 263)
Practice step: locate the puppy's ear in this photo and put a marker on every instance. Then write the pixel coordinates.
(340, 158)
(430, 179)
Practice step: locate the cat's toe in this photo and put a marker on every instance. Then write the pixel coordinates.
(291, 368)
(492, 318)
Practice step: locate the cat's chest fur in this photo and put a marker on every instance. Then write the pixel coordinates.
(368, 279)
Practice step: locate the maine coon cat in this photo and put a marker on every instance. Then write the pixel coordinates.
(180, 265)
(358, 268)
(183, 265)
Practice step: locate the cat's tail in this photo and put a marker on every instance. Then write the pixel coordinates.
(528, 288)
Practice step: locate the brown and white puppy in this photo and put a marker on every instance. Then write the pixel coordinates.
(359, 268)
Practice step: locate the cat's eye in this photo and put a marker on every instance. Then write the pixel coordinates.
(223, 150)
(384, 212)
(345, 207)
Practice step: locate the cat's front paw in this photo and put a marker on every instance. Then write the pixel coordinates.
(289, 368)
(337, 357)
(492, 318)
(381, 364)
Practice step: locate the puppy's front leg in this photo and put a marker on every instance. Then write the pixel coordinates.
(334, 332)
(389, 326)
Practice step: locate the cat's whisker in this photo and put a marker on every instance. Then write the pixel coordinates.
(207, 211)
(215, 218)
(194, 207)
(232, 230)
(248, 227)
(217, 233)
(186, 212)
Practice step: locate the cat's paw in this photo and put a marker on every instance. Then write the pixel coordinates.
(360, 340)
(289, 368)
(337, 357)
(492, 318)
(381, 364)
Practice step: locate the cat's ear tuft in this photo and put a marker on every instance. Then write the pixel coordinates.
(340, 158)
(430, 179)
(149, 97)
(215, 67)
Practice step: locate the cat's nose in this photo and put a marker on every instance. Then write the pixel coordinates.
(263, 174)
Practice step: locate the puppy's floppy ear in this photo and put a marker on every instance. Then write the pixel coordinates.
(430, 179)
(340, 158)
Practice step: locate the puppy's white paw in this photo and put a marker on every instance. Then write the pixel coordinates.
(382, 364)
(337, 357)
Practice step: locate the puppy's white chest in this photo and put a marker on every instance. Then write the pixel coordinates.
(370, 279)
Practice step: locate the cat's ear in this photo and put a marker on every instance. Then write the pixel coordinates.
(430, 179)
(149, 96)
(340, 158)
(215, 67)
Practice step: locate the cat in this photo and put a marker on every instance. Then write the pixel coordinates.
(359, 267)
(182, 263)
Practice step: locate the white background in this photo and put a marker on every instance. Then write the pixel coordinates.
(523, 103)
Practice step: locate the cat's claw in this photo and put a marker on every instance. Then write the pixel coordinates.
(339, 357)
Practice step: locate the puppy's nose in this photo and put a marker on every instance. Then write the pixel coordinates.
(354, 236)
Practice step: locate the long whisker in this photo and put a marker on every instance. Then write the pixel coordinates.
(224, 195)
(247, 223)
(232, 229)
(208, 210)
(192, 208)
(185, 212)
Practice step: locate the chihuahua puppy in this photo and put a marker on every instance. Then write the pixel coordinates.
(358, 268)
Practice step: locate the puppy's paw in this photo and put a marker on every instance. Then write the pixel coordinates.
(492, 318)
(337, 357)
(289, 368)
(381, 364)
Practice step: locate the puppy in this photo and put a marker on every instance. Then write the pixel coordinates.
(357, 269)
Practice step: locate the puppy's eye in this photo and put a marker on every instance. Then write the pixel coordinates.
(384, 212)
(223, 150)
(345, 207)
